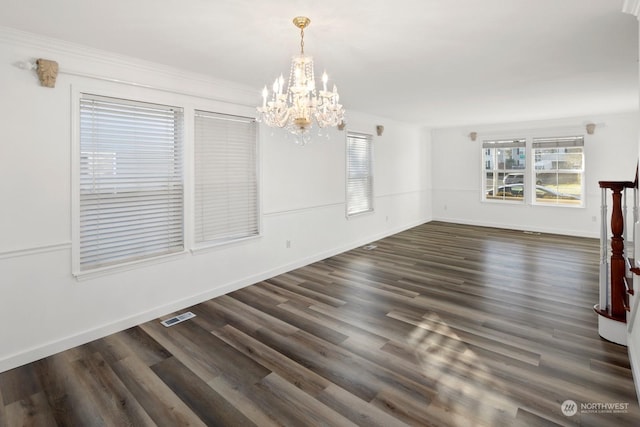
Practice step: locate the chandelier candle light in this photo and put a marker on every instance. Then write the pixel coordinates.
(297, 105)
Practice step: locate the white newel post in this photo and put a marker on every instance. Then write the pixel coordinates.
(604, 254)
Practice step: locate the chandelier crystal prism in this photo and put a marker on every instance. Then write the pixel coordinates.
(298, 104)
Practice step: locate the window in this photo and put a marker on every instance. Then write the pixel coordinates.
(559, 170)
(226, 185)
(359, 173)
(553, 174)
(131, 181)
(504, 169)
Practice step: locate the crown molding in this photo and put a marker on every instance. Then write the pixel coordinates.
(631, 7)
(41, 44)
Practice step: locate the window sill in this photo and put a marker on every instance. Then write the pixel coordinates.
(210, 246)
(359, 214)
(560, 205)
(504, 202)
(113, 269)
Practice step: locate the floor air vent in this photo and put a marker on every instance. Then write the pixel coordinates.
(177, 319)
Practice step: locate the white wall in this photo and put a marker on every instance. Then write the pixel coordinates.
(417, 173)
(633, 318)
(303, 193)
(610, 154)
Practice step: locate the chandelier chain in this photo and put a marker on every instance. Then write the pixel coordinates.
(302, 41)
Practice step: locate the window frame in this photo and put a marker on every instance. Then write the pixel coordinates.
(77, 96)
(197, 245)
(529, 173)
(352, 136)
(494, 144)
(189, 103)
(577, 141)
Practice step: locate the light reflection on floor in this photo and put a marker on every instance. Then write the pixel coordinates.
(461, 378)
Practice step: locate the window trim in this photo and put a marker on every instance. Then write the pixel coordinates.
(529, 172)
(194, 245)
(76, 97)
(189, 103)
(493, 143)
(582, 171)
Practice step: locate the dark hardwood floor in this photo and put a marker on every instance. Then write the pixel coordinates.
(444, 324)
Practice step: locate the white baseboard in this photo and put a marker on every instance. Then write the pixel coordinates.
(41, 351)
(635, 364)
(502, 225)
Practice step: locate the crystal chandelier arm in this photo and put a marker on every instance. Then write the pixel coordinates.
(301, 103)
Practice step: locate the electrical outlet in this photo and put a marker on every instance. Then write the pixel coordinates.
(288, 244)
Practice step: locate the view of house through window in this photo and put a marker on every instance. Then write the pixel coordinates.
(552, 174)
(559, 170)
(504, 169)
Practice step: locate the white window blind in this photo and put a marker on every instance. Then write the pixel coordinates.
(131, 181)
(509, 143)
(558, 142)
(226, 185)
(359, 173)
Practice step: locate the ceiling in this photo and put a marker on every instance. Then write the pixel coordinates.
(433, 62)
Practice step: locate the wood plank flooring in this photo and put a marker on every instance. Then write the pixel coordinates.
(441, 325)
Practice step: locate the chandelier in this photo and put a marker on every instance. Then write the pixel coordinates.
(298, 104)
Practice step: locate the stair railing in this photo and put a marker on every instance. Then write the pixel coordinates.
(615, 284)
